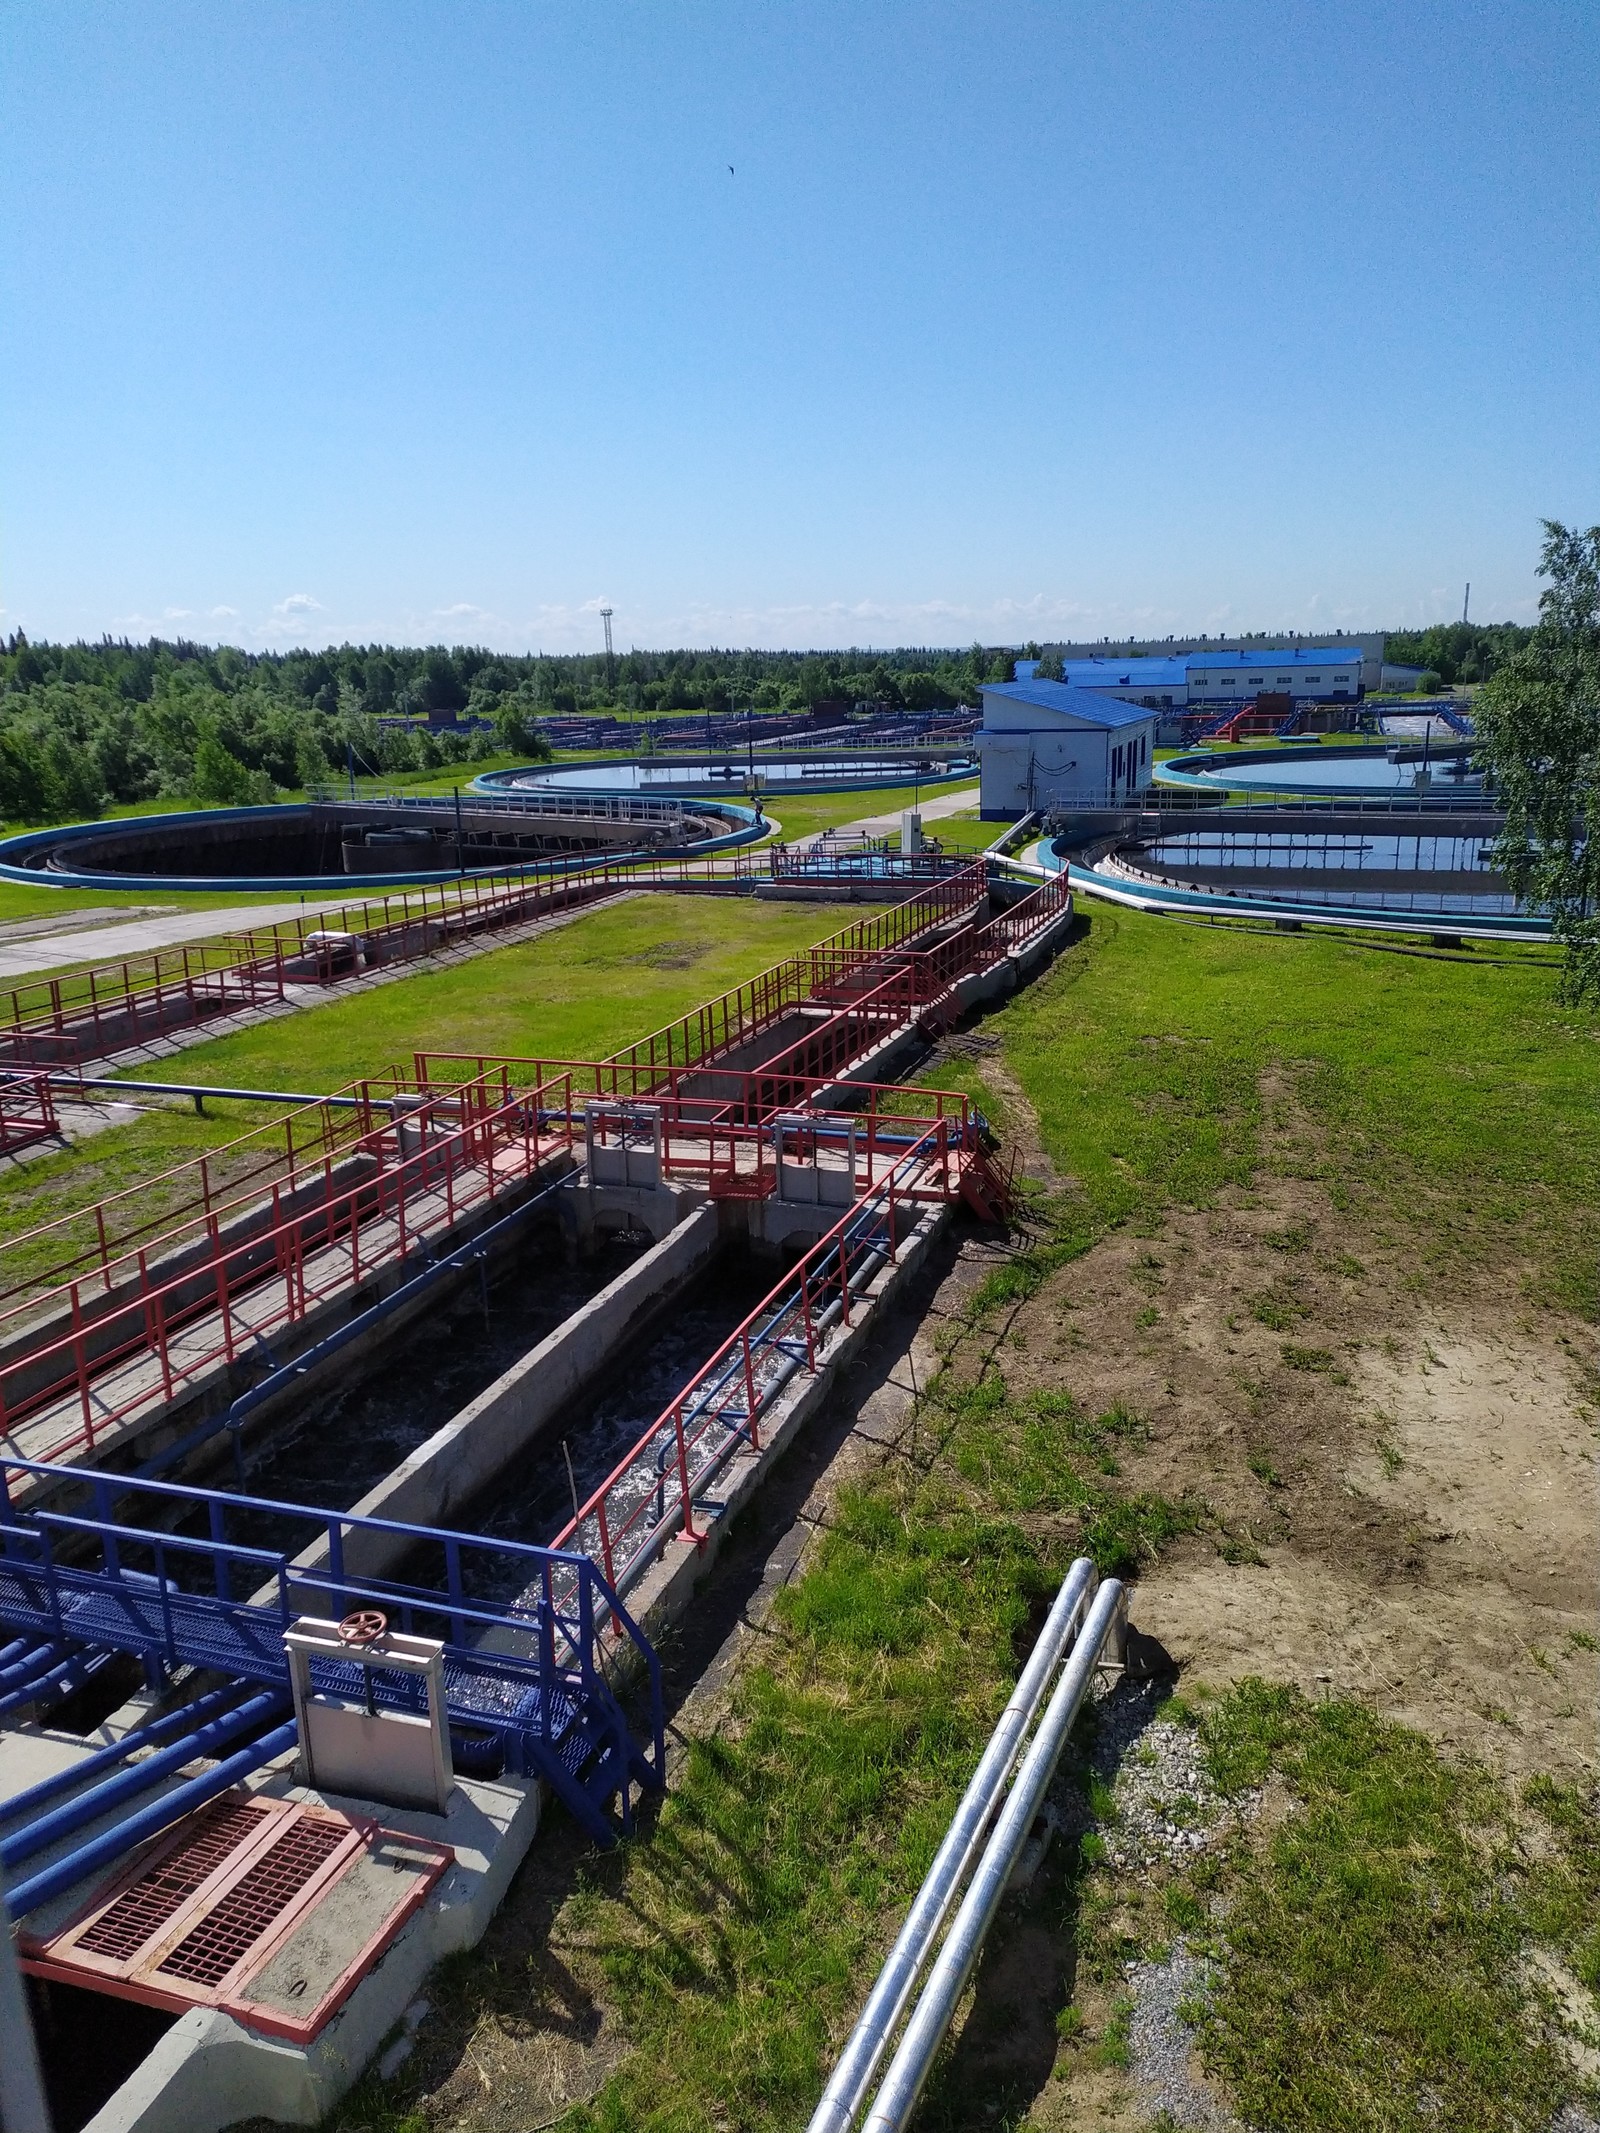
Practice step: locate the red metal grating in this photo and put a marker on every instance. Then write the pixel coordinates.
(253, 1906)
(143, 1908)
(199, 1917)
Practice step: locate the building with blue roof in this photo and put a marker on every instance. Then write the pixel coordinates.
(1194, 680)
(1052, 744)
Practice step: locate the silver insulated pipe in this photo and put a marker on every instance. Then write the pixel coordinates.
(954, 1964)
(851, 2081)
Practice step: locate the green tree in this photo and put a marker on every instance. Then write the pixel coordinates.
(219, 779)
(1538, 725)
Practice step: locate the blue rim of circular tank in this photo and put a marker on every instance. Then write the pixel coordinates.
(1208, 771)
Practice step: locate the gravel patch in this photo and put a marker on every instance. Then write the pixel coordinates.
(1165, 1806)
(1160, 2043)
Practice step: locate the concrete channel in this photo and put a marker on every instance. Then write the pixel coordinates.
(605, 1303)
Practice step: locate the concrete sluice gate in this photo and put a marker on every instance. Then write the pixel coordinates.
(295, 1650)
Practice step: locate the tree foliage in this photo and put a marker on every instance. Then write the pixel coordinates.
(82, 725)
(1457, 651)
(1538, 726)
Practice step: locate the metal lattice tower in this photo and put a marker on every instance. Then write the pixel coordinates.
(611, 664)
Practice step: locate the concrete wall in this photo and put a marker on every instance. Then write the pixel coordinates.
(476, 1444)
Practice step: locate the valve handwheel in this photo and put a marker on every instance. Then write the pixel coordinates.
(365, 1626)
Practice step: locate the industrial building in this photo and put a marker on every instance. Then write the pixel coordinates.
(1054, 744)
(1366, 646)
(1199, 679)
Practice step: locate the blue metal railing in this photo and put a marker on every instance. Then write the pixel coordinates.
(114, 1568)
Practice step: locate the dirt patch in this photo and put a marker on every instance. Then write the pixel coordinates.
(672, 955)
(1402, 1495)
(1019, 1121)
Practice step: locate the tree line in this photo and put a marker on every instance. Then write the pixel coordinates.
(1457, 651)
(85, 725)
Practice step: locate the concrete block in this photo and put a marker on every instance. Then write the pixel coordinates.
(209, 2071)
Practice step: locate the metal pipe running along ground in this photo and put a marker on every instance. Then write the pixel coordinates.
(846, 2091)
(902, 2086)
(1079, 1626)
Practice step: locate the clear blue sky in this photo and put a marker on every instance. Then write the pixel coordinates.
(449, 321)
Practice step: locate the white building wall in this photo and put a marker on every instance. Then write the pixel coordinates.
(1031, 757)
(1265, 676)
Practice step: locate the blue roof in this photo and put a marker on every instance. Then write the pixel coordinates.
(1090, 705)
(1146, 673)
(1316, 655)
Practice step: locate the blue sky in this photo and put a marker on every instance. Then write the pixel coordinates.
(449, 322)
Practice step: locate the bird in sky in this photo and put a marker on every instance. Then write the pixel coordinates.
(730, 170)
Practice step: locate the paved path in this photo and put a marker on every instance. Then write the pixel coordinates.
(57, 947)
(934, 810)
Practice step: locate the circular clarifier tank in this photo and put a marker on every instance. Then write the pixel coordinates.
(1396, 862)
(373, 844)
(1405, 769)
(737, 771)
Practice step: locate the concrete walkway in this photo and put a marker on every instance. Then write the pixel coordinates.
(937, 809)
(55, 947)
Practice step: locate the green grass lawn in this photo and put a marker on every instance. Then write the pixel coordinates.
(1374, 1985)
(1450, 1097)
(581, 992)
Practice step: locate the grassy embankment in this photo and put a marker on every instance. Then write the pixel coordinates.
(1372, 1980)
(579, 992)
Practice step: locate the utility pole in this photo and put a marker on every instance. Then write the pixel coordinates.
(611, 664)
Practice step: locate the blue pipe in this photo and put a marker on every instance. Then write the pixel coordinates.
(86, 1807)
(14, 1651)
(114, 1844)
(152, 1735)
(70, 1676)
(38, 1655)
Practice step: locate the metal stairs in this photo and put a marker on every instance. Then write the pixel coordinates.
(987, 1189)
(526, 1685)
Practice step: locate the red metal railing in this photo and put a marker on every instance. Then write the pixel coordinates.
(196, 1190)
(649, 1498)
(744, 1012)
(27, 1112)
(699, 1143)
(176, 1316)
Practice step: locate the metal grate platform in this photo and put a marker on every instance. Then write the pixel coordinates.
(227, 1910)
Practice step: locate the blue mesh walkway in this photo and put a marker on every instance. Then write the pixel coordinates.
(102, 1562)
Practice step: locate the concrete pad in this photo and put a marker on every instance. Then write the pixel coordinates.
(210, 2071)
(56, 948)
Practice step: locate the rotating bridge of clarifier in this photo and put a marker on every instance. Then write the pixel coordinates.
(143, 1334)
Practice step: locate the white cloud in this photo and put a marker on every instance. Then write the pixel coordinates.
(290, 621)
